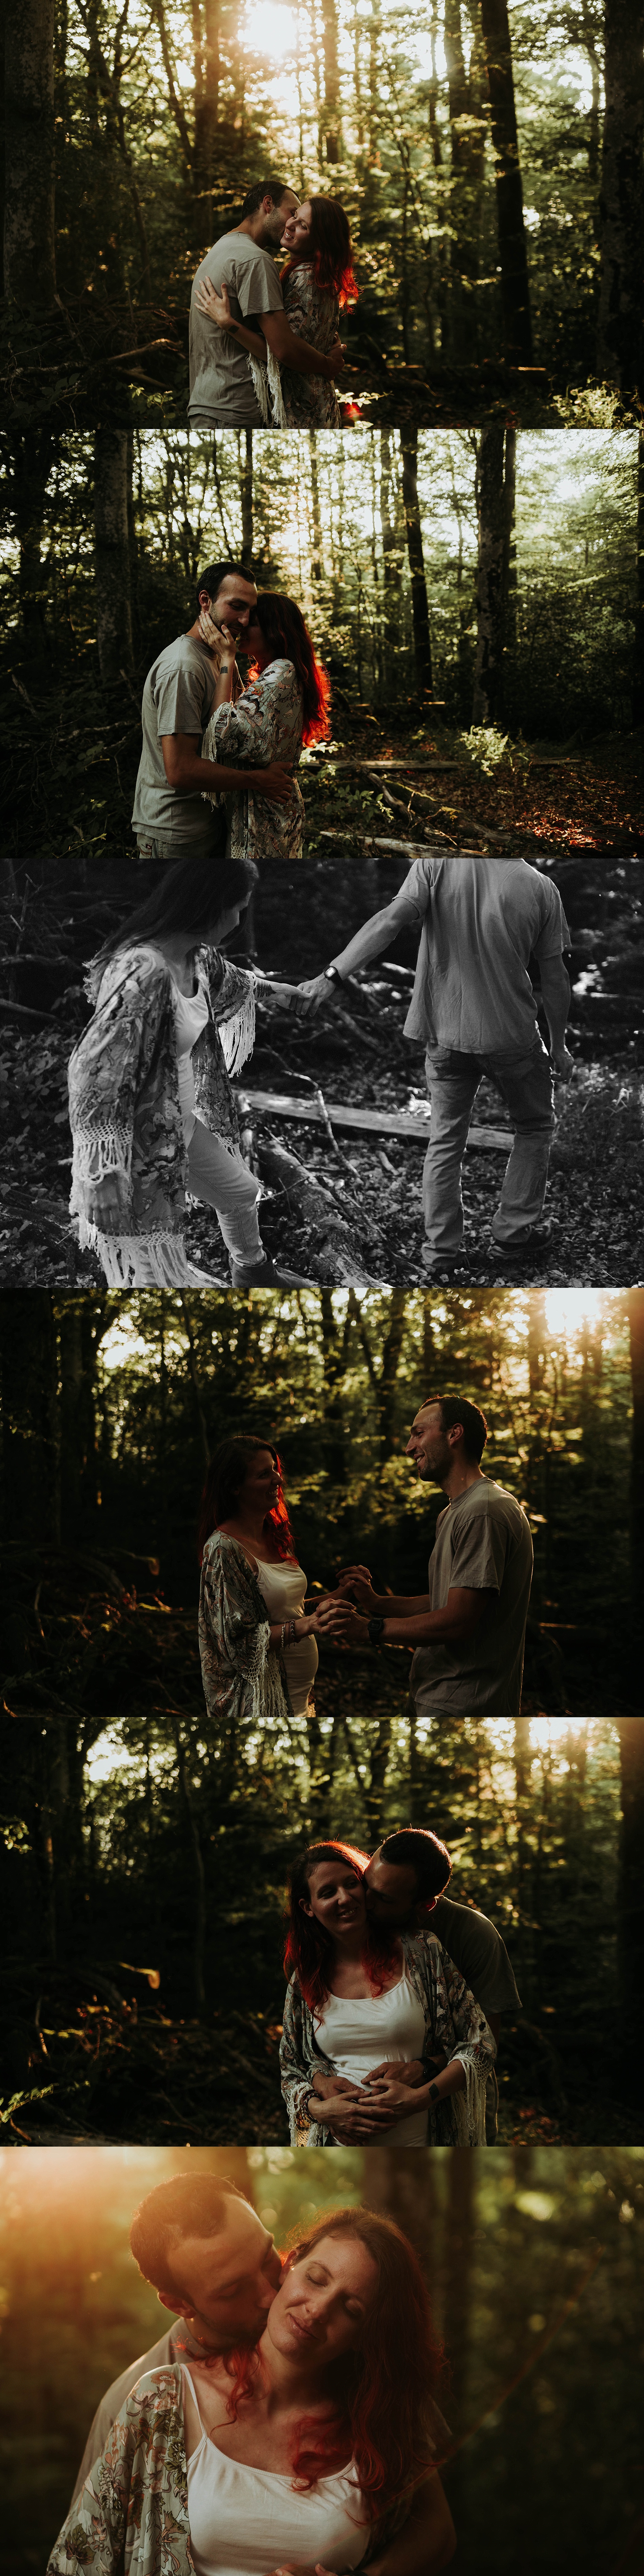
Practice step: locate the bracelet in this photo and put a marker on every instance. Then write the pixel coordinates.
(288, 1634)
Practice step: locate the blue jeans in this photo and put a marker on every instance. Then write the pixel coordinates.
(527, 1087)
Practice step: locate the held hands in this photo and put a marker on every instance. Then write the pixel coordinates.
(356, 1580)
(411, 2073)
(285, 997)
(318, 990)
(215, 305)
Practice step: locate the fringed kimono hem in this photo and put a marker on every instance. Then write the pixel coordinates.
(138, 1260)
(96, 1155)
(237, 1035)
(268, 389)
(468, 2107)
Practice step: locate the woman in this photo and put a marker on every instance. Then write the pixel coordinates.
(360, 2004)
(317, 285)
(151, 1108)
(316, 2449)
(258, 1647)
(283, 708)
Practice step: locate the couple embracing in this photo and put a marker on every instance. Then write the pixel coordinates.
(264, 345)
(287, 2420)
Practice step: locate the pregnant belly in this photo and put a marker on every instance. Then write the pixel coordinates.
(301, 1663)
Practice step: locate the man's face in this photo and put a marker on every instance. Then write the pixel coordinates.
(275, 217)
(226, 2284)
(234, 604)
(390, 1893)
(430, 1445)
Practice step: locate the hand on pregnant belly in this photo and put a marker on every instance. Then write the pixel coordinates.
(413, 2072)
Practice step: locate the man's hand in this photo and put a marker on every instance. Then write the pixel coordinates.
(275, 783)
(356, 1579)
(413, 2072)
(334, 364)
(394, 2101)
(318, 989)
(285, 997)
(338, 1621)
(326, 2085)
(107, 1199)
(563, 1064)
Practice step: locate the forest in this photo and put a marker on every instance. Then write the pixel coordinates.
(127, 1828)
(489, 161)
(534, 2264)
(477, 599)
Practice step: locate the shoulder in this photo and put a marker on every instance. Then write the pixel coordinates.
(133, 964)
(152, 2394)
(503, 1505)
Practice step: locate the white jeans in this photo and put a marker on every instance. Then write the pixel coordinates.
(218, 1175)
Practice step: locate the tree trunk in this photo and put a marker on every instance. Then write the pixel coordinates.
(112, 552)
(467, 156)
(33, 454)
(246, 483)
(402, 2187)
(207, 116)
(487, 704)
(419, 608)
(515, 291)
(619, 334)
(636, 1331)
(29, 233)
(510, 546)
(78, 1349)
(29, 1385)
(331, 114)
(462, 2185)
(630, 1919)
(638, 656)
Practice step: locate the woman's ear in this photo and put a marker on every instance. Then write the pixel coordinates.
(303, 1901)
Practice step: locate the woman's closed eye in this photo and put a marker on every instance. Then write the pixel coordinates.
(353, 2306)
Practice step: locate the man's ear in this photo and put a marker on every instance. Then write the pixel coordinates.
(177, 2307)
(427, 1906)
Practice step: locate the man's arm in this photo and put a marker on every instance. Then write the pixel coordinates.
(555, 993)
(293, 352)
(186, 771)
(452, 1626)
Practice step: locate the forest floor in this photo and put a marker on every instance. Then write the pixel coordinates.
(571, 809)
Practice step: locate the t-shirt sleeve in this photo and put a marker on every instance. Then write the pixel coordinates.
(256, 290)
(182, 699)
(480, 1954)
(414, 897)
(480, 1553)
(554, 935)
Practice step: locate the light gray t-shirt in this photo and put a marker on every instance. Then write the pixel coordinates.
(222, 393)
(474, 1944)
(482, 919)
(483, 1544)
(177, 698)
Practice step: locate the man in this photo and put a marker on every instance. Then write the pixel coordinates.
(170, 819)
(404, 1888)
(468, 1629)
(222, 392)
(212, 2263)
(481, 920)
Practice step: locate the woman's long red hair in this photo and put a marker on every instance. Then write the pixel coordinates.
(329, 252)
(286, 635)
(309, 1948)
(224, 1484)
(380, 2419)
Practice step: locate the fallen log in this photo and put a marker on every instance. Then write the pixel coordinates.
(426, 767)
(332, 1255)
(280, 1104)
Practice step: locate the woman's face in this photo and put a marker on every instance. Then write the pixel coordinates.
(324, 2303)
(261, 1486)
(297, 228)
(228, 921)
(335, 1898)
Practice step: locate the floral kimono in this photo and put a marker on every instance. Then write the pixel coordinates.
(124, 1103)
(131, 2517)
(310, 402)
(264, 724)
(243, 1676)
(455, 2026)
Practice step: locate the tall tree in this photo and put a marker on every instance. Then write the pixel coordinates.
(246, 497)
(29, 232)
(515, 289)
(636, 1332)
(331, 113)
(419, 607)
(112, 466)
(621, 196)
(638, 656)
(31, 456)
(467, 134)
(30, 1428)
(493, 559)
(630, 1920)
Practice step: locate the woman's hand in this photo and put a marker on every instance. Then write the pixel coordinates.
(219, 640)
(343, 1624)
(324, 2086)
(106, 1199)
(318, 990)
(394, 2100)
(285, 997)
(215, 305)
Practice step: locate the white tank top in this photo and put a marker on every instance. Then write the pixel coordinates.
(245, 2522)
(190, 1016)
(284, 1588)
(357, 2032)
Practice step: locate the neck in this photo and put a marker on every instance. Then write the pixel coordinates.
(173, 947)
(254, 225)
(350, 1944)
(249, 1523)
(460, 1476)
(284, 2374)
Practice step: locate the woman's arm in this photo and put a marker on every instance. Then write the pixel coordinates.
(427, 2541)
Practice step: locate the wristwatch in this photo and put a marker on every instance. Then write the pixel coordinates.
(375, 1631)
(332, 975)
(434, 2094)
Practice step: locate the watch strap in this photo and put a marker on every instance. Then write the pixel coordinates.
(375, 1629)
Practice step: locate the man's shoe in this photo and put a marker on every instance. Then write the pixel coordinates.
(265, 1274)
(537, 1238)
(442, 1265)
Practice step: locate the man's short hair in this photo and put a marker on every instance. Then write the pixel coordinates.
(275, 188)
(211, 579)
(425, 1854)
(457, 1408)
(187, 2205)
